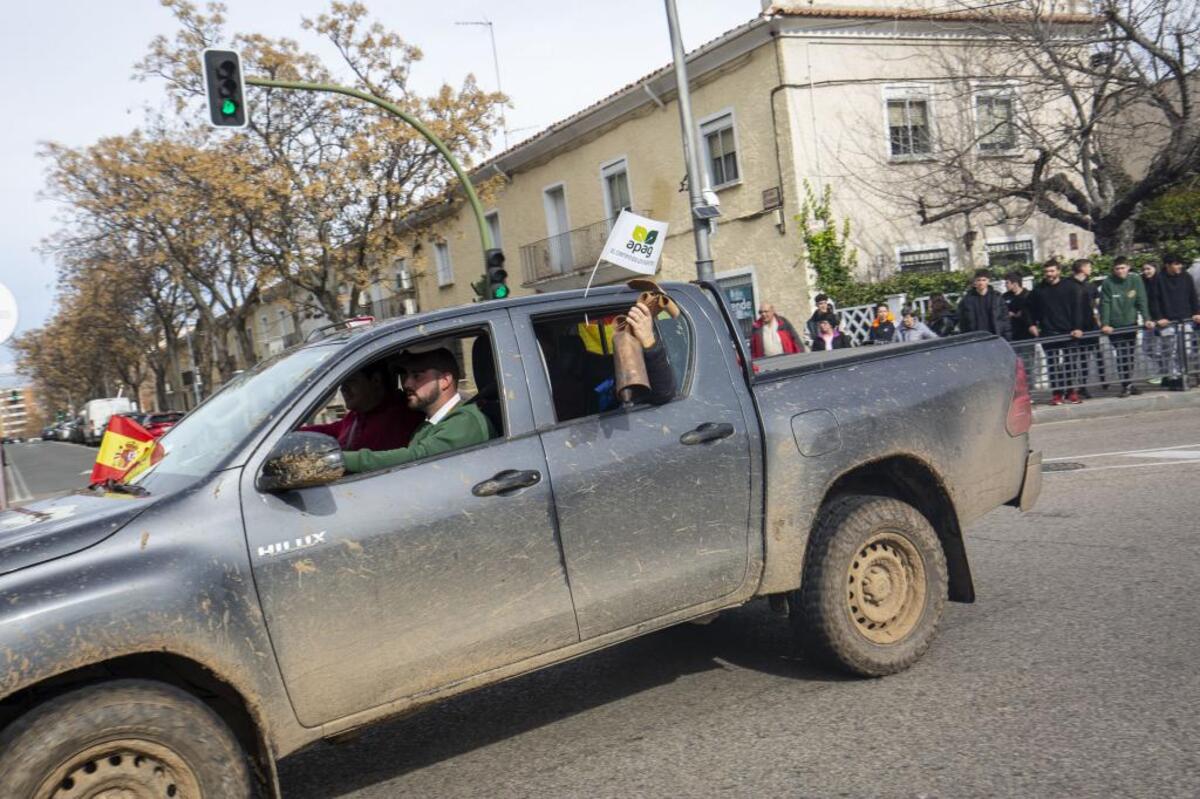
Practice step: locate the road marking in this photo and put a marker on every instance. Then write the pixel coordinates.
(1176, 454)
(20, 488)
(1119, 452)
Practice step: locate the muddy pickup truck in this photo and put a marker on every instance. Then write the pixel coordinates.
(244, 597)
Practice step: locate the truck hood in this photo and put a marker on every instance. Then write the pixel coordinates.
(52, 528)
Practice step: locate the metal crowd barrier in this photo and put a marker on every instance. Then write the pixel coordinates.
(1103, 364)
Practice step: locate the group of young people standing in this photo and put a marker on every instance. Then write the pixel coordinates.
(1065, 309)
(1066, 312)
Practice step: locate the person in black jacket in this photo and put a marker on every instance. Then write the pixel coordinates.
(1058, 308)
(1152, 343)
(883, 326)
(1016, 299)
(983, 309)
(1081, 270)
(1177, 306)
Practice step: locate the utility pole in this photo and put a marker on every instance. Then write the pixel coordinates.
(702, 211)
(195, 365)
(496, 62)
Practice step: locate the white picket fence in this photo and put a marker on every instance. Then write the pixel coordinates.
(856, 319)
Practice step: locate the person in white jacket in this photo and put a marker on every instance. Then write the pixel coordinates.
(911, 328)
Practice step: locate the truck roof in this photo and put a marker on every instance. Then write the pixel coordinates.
(388, 326)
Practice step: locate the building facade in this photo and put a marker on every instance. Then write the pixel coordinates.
(801, 98)
(18, 412)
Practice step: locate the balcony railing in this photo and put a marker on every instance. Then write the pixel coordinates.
(573, 251)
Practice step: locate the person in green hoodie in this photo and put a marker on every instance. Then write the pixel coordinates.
(1122, 300)
(431, 387)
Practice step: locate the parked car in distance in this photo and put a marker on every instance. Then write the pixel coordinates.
(159, 423)
(73, 431)
(49, 433)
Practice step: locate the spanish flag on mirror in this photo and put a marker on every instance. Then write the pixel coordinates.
(126, 450)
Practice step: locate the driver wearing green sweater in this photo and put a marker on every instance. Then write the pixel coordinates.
(431, 387)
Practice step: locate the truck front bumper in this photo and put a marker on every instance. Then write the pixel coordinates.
(1031, 485)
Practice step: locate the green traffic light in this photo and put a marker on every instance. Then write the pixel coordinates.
(499, 292)
(229, 108)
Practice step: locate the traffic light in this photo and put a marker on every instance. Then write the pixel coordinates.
(223, 83)
(497, 276)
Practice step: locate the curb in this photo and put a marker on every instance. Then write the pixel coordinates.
(1116, 406)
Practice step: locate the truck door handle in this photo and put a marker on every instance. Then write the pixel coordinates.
(709, 431)
(507, 480)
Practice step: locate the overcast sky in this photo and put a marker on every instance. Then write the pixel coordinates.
(69, 64)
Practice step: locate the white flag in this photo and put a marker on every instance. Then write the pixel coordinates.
(635, 243)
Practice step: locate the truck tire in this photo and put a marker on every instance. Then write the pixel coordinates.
(874, 586)
(135, 738)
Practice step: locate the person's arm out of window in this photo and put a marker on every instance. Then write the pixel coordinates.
(662, 377)
(457, 431)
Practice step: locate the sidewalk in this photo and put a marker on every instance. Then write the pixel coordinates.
(1117, 406)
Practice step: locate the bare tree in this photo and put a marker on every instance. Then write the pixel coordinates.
(1101, 117)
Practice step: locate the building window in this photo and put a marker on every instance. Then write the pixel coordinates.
(616, 189)
(931, 260)
(1010, 253)
(445, 270)
(995, 129)
(720, 150)
(908, 126)
(403, 277)
(493, 223)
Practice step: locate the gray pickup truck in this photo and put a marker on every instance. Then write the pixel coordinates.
(244, 598)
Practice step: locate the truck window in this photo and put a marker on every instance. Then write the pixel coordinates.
(374, 391)
(577, 357)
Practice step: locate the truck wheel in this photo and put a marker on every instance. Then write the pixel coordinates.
(129, 738)
(874, 586)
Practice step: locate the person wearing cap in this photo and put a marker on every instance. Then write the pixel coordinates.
(828, 336)
(431, 387)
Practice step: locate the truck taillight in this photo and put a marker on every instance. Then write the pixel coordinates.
(1020, 410)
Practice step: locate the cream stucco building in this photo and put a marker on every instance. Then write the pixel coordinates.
(815, 94)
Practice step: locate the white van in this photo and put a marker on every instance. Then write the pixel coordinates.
(95, 414)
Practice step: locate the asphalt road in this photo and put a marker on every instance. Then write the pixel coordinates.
(40, 469)
(1075, 674)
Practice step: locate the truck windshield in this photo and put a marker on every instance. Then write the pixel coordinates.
(194, 446)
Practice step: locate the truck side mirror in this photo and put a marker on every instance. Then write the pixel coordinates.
(301, 460)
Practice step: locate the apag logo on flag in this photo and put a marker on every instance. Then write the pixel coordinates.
(642, 241)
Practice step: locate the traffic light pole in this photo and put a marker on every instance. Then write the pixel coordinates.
(485, 233)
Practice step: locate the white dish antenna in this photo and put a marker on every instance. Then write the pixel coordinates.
(8, 313)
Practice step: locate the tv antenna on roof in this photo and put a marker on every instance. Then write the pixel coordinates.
(496, 61)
